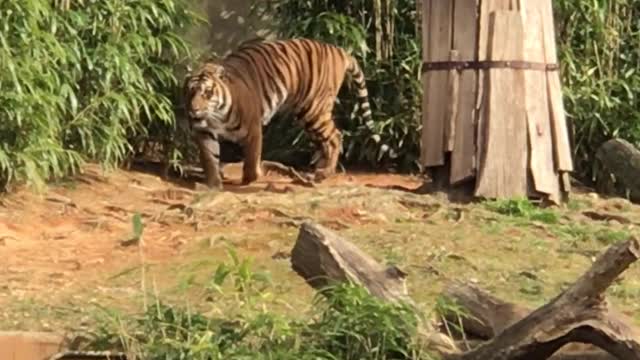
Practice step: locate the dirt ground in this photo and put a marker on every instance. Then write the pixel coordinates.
(67, 251)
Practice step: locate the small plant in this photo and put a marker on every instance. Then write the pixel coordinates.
(247, 284)
(447, 306)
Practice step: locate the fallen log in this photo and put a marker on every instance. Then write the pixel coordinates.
(618, 169)
(487, 316)
(578, 315)
(320, 256)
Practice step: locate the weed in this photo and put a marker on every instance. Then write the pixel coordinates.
(392, 257)
(578, 204)
(607, 236)
(573, 232)
(531, 288)
(584, 233)
(523, 209)
(247, 284)
(446, 308)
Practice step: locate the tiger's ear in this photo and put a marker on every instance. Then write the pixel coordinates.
(214, 69)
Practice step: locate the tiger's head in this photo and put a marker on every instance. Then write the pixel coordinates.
(207, 97)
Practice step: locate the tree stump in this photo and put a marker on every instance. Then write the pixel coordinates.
(499, 125)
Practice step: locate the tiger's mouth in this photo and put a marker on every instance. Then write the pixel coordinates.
(199, 124)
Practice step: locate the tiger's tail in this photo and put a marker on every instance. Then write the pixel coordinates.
(357, 77)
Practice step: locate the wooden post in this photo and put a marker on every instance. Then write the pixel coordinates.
(492, 102)
(436, 37)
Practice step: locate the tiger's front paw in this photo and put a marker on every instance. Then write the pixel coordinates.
(214, 182)
(322, 174)
(208, 187)
(246, 180)
(251, 175)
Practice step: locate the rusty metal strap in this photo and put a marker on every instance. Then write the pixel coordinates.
(488, 64)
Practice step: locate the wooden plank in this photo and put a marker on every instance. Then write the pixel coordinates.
(436, 35)
(465, 37)
(452, 105)
(486, 7)
(564, 160)
(504, 174)
(541, 161)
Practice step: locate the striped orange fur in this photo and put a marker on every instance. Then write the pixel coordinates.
(235, 97)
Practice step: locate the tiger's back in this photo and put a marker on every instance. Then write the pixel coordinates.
(299, 76)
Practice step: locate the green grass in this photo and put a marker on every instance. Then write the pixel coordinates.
(522, 209)
(346, 323)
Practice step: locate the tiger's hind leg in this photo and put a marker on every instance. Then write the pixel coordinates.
(328, 139)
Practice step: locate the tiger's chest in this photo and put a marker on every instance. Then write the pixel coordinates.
(231, 130)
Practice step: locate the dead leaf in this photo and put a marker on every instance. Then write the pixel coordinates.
(529, 275)
(130, 242)
(57, 198)
(281, 255)
(288, 171)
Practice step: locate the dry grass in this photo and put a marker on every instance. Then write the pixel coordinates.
(514, 249)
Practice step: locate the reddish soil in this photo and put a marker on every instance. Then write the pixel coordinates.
(71, 234)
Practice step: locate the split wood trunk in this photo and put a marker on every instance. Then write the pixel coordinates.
(493, 114)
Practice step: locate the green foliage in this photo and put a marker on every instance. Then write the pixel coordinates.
(347, 324)
(353, 323)
(600, 58)
(391, 140)
(83, 83)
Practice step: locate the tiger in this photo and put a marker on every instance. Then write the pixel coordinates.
(233, 98)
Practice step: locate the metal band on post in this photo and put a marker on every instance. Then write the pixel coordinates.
(488, 64)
